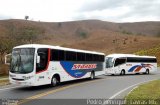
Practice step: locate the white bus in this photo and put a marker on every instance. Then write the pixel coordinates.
(35, 64)
(130, 64)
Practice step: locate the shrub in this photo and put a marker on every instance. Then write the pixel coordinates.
(82, 33)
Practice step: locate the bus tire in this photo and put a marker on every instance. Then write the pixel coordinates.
(55, 80)
(92, 76)
(122, 72)
(147, 71)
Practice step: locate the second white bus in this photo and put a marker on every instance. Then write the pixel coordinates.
(130, 64)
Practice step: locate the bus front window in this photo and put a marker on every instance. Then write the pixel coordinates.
(109, 62)
(22, 60)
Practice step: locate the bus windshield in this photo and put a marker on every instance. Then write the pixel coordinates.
(109, 62)
(22, 60)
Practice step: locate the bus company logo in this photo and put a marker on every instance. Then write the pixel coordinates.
(84, 66)
(128, 64)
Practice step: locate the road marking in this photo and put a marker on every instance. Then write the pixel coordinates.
(118, 93)
(53, 91)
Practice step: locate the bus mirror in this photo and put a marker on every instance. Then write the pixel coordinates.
(112, 59)
(7, 59)
(38, 59)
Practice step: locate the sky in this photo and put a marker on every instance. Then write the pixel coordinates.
(73, 10)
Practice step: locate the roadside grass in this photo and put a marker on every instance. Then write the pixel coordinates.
(4, 82)
(146, 94)
(3, 76)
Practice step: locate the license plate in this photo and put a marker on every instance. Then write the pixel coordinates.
(17, 82)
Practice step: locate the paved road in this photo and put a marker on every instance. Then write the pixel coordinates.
(104, 87)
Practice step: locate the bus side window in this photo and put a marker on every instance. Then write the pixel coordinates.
(43, 53)
(119, 61)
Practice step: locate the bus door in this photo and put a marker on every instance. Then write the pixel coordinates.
(119, 64)
(42, 72)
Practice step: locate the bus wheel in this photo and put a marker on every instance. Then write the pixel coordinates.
(54, 81)
(122, 72)
(147, 71)
(92, 75)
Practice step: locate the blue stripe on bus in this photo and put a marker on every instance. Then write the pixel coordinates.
(67, 66)
(133, 68)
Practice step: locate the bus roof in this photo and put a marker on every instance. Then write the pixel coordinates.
(128, 55)
(56, 47)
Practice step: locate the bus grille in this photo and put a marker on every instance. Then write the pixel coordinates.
(18, 79)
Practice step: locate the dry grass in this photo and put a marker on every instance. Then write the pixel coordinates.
(4, 82)
(3, 70)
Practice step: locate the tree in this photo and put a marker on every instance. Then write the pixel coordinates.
(26, 17)
(28, 34)
(59, 24)
(124, 40)
(6, 45)
(158, 34)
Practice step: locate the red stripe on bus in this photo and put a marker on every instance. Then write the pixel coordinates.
(138, 69)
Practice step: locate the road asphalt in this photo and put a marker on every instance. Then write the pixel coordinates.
(77, 92)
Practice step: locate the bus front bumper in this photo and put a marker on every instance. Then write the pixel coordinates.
(22, 83)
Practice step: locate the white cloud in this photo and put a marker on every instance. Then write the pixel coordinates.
(48, 10)
(68, 10)
(105, 14)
